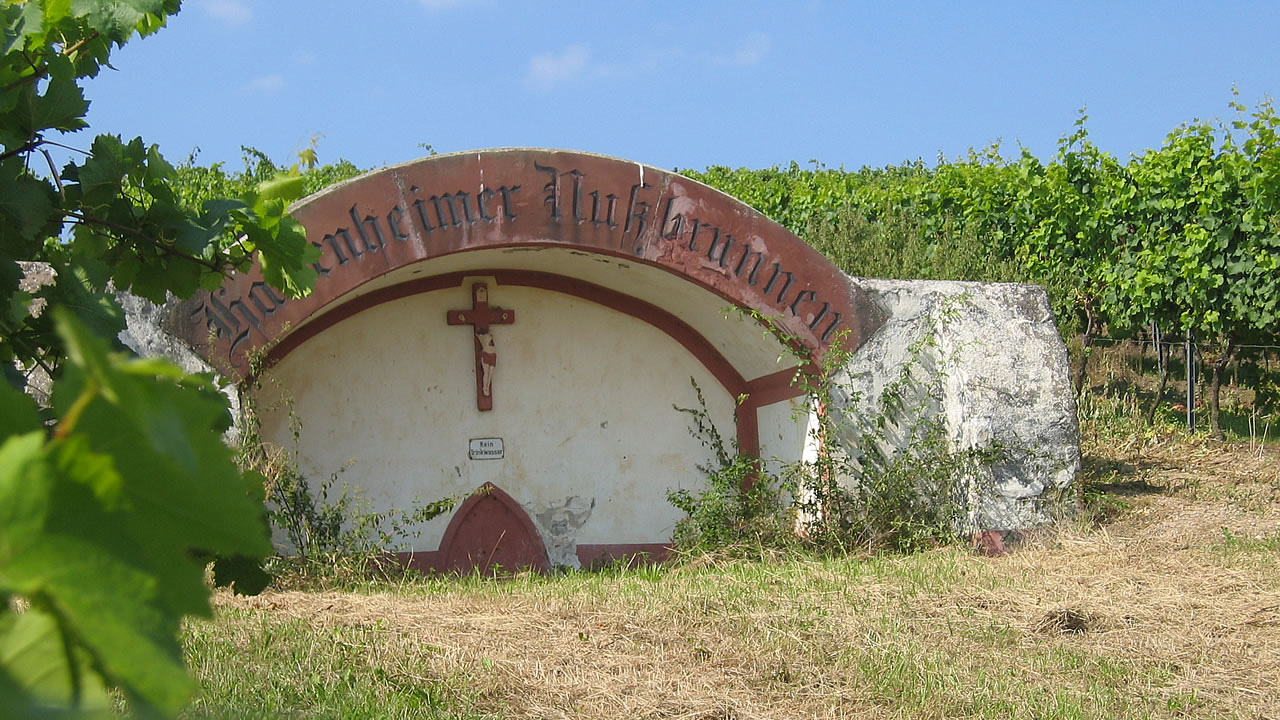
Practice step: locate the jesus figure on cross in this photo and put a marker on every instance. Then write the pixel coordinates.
(481, 316)
(487, 353)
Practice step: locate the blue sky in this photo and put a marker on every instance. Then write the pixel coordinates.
(681, 84)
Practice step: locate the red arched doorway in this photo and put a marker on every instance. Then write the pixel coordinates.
(490, 533)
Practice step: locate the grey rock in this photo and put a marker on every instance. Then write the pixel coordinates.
(986, 361)
(146, 333)
(36, 275)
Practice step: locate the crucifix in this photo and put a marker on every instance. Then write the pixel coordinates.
(481, 316)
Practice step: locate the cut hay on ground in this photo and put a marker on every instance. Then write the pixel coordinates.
(1172, 612)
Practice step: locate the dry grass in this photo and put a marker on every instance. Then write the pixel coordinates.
(1171, 611)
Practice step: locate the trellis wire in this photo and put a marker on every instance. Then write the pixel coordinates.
(1156, 341)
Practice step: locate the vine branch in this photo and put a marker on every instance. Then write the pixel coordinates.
(24, 148)
(135, 233)
(81, 43)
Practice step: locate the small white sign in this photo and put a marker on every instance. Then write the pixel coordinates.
(485, 449)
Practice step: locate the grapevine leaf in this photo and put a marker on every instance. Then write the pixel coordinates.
(55, 10)
(98, 309)
(223, 206)
(84, 563)
(286, 256)
(118, 19)
(24, 486)
(284, 187)
(32, 651)
(14, 23)
(18, 412)
(26, 205)
(101, 174)
(62, 106)
(243, 572)
(159, 171)
(179, 480)
(107, 537)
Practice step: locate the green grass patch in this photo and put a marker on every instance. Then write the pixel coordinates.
(251, 665)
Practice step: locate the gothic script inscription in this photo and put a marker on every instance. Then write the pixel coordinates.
(506, 198)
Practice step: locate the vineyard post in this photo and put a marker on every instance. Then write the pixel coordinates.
(1162, 364)
(1191, 383)
(1157, 341)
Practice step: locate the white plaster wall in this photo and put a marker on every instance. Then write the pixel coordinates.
(784, 430)
(744, 342)
(583, 400)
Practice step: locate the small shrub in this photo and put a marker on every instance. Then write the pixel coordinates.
(335, 531)
(741, 511)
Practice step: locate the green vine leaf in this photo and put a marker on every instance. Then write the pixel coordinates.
(62, 106)
(118, 19)
(25, 205)
(111, 540)
(41, 675)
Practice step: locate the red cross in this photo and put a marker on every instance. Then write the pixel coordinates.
(481, 316)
